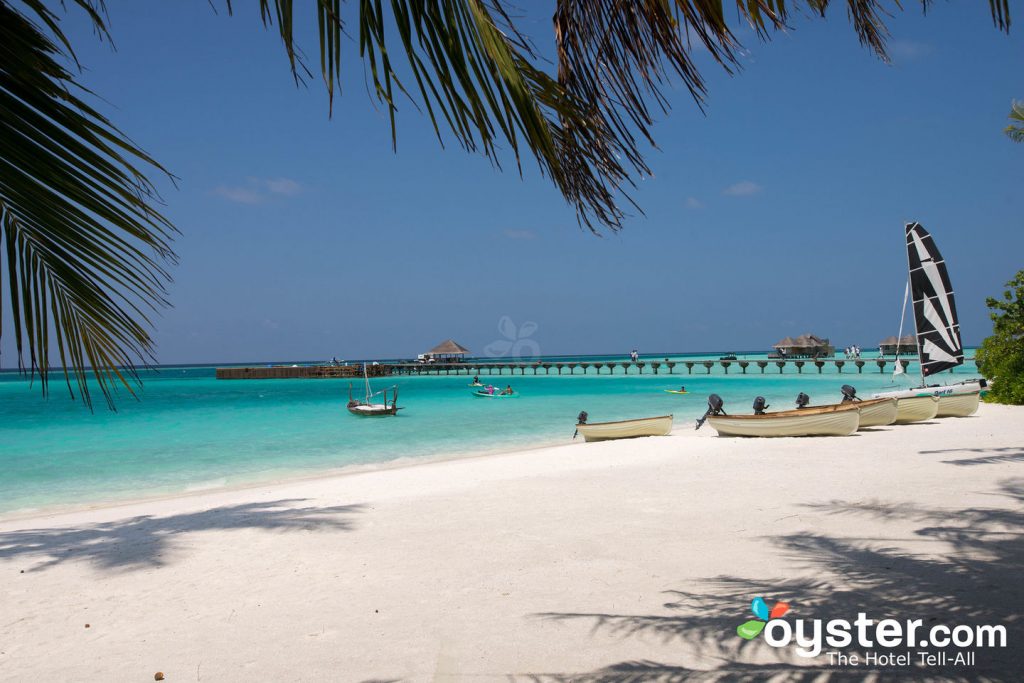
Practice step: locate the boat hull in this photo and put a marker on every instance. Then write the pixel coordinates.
(877, 412)
(967, 387)
(373, 410)
(626, 429)
(496, 394)
(916, 409)
(837, 420)
(958, 405)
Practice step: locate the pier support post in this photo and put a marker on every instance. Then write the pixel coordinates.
(799, 366)
(670, 366)
(762, 364)
(906, 364)
(743, 366)
(881, 364)
(584, 366)
(597, 367)
(559, 366)
(820, 364)
(708, 364)
(839, 366)
(860, 366)
(654, 366)
(689, 367)
(572, 368)
(781, 364)
(725, 366)
(640, 367)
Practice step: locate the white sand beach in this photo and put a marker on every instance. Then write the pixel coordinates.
(620, 561)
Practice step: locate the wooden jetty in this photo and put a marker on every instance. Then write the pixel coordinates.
(471, 368)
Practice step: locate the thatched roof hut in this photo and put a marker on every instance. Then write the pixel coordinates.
(806, 345)
(891, 346)
(448, 349)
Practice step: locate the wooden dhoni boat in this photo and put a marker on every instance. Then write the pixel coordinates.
(626, 429)
(916, 409)
(366, 407)
(877, 412)
(841, 419)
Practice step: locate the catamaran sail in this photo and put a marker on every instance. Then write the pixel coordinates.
(938, 328)
(939, 345)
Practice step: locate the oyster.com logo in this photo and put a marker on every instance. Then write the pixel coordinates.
(749, 630)
(903, 642)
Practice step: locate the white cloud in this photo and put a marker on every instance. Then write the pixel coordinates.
(744, 188)
(694, 203)
(258, 190)
(285, 186)
(909, 50)
(240, 195)
(520, 234)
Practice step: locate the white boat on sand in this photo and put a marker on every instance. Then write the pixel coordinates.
(916, 409)
(842, 419)
(625, 429)
(877, 412)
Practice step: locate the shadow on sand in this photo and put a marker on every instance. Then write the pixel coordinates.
(986, 456)
(148, 541)
(965, 569)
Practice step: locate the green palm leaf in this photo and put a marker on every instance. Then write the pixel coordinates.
(84, 251)
(1015, 131)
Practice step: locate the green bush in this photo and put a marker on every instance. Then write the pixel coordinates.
(1001, 356)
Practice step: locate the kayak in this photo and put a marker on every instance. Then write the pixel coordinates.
(476, 384)
(496, 394)
(674, 391)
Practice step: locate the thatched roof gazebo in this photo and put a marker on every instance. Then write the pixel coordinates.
(448, 350)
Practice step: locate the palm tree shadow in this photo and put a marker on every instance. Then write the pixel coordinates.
(986, 456)
(148, 541)
(969, 576)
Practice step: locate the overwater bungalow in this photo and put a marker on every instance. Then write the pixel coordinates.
(448, 351)
(805, 346)
(891, 346)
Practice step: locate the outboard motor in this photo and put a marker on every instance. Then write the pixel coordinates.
(581, 419)
(759, 405)
(715, 404)
(849, 393)
(802, 400)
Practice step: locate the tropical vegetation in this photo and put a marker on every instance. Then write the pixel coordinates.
(1015, 131)
(1001, 356)
(86, 249)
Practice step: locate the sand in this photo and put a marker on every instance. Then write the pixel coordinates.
(623, 561)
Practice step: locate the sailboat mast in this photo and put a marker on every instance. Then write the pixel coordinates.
(366, 378)
(917, 332)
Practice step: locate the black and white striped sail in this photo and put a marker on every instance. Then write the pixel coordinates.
(938, 328)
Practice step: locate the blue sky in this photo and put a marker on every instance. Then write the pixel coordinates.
(778, 212)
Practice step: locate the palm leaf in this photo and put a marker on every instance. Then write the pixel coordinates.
(1015, 131)
(84, 252)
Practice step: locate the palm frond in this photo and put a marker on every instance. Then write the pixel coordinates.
(84, 251)
(1015, 131)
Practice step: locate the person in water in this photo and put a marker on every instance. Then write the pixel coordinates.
(508, 390)
(476, 380)
(682, 390)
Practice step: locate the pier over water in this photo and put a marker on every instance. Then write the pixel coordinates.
(542, 367)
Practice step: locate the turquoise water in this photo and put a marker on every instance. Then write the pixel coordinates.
(190, 431)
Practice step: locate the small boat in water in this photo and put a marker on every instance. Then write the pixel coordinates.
(494, 393)
(366, 407)
(623, 429)
(842, 419)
